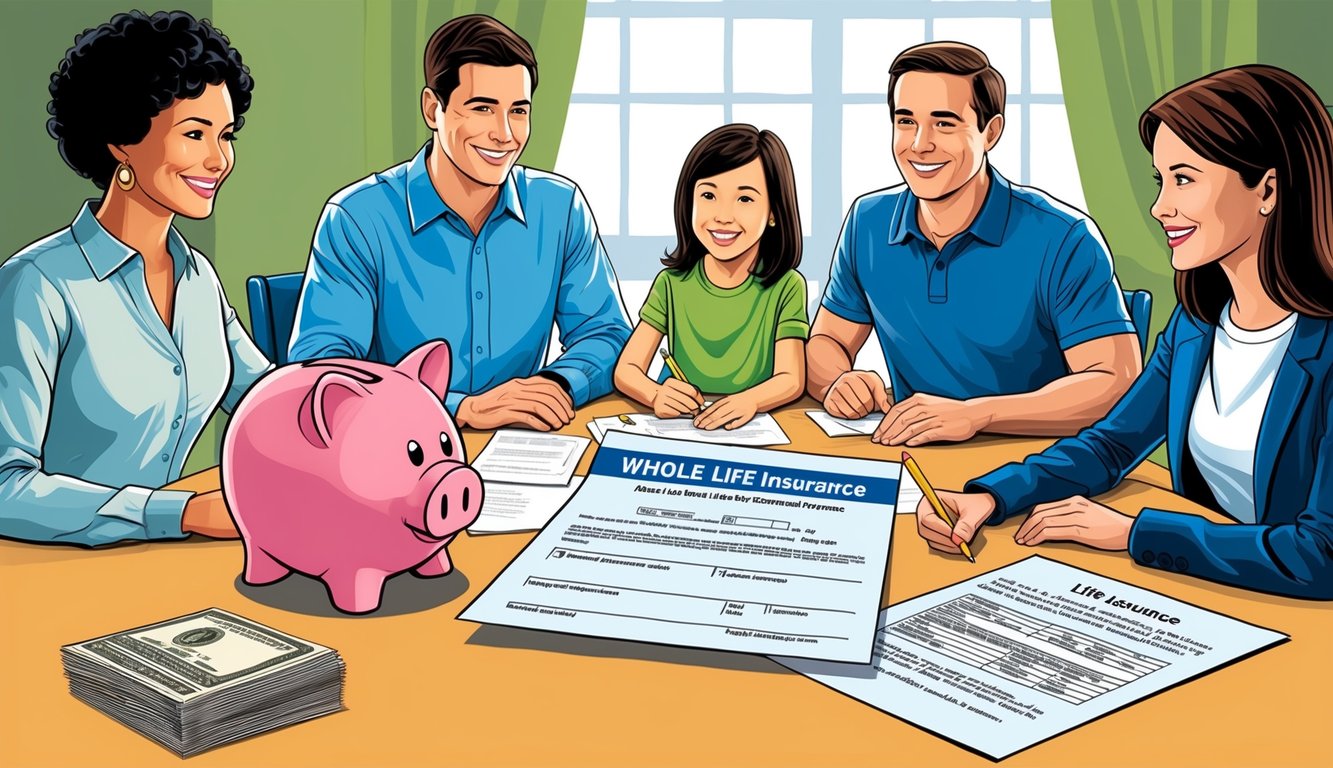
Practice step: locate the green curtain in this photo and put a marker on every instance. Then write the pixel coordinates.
(1116, 58)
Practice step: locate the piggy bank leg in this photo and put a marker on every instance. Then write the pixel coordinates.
(261, 568)
(356, 591)
(438, 565)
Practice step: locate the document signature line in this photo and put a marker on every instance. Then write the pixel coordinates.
(712, 598)
(677, 621)
(706, 565)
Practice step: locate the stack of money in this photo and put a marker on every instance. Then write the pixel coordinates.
(209, 678)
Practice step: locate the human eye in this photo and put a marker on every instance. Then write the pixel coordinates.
(706, 195)
(945, 124)
(229, 136)
(1182, 180)
(905, 121)
(482, 108)
(519, 110)
(196, 134)
(746, 199)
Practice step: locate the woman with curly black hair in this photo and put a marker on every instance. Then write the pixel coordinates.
(117, 343)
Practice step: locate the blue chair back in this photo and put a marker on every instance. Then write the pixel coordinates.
(1139, 304)
(273, 312)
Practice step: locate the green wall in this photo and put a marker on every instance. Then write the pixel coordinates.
(337, 96)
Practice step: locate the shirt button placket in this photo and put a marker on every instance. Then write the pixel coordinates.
(178, 370)
(481, 313)
(939, 290)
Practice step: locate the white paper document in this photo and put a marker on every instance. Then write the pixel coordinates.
(762, 430)
(836, 427)
(1016, 656)
(530, 458)
(707, 546)
(509, 507)
(909, 495)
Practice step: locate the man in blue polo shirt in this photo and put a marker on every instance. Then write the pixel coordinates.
(996, 305)
(461, 244)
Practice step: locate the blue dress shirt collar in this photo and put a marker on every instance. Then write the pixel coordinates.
(105, 254)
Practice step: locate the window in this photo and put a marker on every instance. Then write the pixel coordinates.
(656, 75)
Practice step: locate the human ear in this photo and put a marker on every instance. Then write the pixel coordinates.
(1267, 189)
(430, 108)
(993, 130)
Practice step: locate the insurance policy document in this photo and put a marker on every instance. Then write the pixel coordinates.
(1023, 653)
(738, 549)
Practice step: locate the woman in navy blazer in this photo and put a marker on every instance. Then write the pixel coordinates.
(1240, 384)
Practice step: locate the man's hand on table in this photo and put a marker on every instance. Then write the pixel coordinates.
(856, 394)
(536, 402)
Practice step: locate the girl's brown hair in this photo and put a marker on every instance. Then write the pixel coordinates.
(726, 149)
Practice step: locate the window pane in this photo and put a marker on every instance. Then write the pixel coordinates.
(599, 57)
(867, 151)
(1045, 72)
(1007, 157)
(660, 136)
(1000, 39)
(590, 157)
(1054, 168)
(675, 55)
(869, 46)
(771, 56)
(791, 122)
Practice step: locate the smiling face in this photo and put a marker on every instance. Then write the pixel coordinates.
(731, 211)
(484, 126)
(181, 164)
(937, 143)
(1206, 210)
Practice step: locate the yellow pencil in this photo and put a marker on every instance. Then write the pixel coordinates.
(625, 419)
(935, 502)
(671, 365)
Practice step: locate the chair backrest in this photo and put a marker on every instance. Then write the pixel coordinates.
(273, 312)
(1139, 304)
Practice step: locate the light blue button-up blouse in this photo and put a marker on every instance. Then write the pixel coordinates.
(100, 402)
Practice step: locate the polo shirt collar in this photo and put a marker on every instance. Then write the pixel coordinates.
(424, 204)
(105, 254)
(989, 225)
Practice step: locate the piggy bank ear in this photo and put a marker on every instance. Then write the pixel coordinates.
(327, 406)
(430, 364)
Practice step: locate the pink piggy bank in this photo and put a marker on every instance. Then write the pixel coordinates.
(350, 472)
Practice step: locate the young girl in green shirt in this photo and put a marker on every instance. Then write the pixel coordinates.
(730, 301)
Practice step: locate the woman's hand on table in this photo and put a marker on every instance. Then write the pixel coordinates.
(1078, 520)
(206, 514)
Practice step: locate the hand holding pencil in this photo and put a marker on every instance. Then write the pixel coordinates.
(947, 521)
(676, 396)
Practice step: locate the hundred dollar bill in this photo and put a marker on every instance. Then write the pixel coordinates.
(188, 656)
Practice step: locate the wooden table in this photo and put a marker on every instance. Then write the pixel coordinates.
(426, 689)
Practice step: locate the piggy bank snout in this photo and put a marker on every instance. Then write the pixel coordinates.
(454, 502)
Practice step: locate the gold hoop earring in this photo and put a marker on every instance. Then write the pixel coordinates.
(125, 177)
(772, 222)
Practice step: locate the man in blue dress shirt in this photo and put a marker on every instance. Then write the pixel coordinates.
(461, 244)
(996, 305)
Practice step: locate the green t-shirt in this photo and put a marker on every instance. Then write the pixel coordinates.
(723, 338)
